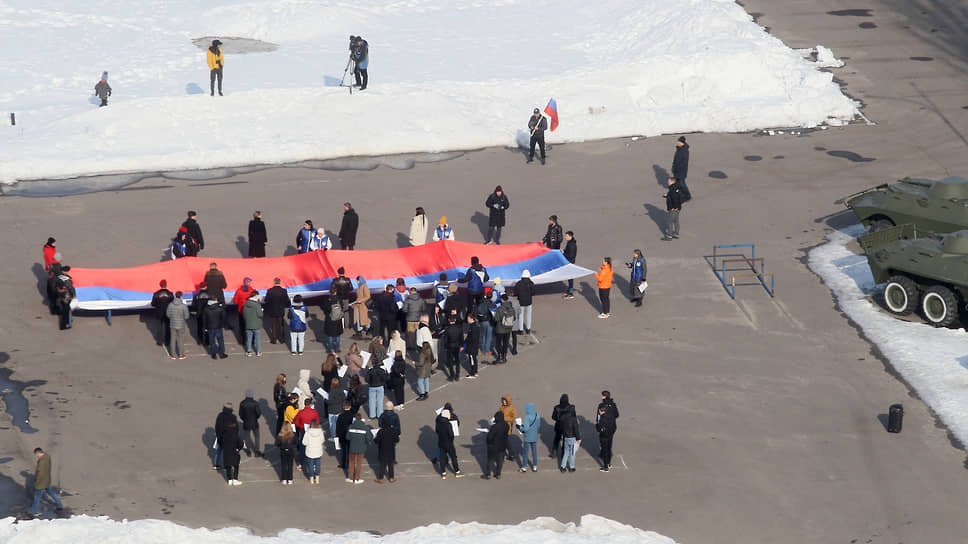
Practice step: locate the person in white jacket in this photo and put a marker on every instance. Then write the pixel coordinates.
(320, 240)
(443, 230)
(303, 385)
(418, 228)
(313, 441)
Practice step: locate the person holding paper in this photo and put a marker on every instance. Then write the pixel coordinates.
(497, 443)
(292, 410)
(397, 343)
(639, 270)
(354, 360)
(302, 421)
(222, 421)
(510, 414)
(529, 426)
(329, 369)
(358, 436)
(424, 334)
(312, 443)
(286, 442)
(445, 445)
(386, 441)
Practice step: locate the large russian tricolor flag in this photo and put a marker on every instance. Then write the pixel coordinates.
(309, 274)
(552, 110)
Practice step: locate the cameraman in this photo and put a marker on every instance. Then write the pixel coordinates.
(360, 53)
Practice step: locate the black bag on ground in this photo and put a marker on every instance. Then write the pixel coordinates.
(895, 418)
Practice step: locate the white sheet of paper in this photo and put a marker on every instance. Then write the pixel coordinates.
(342, 371)
(642, 286)
(297, 391)
(215, 444)
(387, 364)
(322, 393)
(517, 421)
(439, 410)
(366, 357)
(336, 443)
(305, 427)
(480, 430)
(456, 427)
(293, 427)
(374, 431)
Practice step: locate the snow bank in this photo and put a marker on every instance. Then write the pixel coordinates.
(826, 58)
(537, 531)
(931, 360)
(443, 76)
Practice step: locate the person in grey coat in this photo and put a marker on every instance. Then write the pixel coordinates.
(103, 90)
(177, 313)
(413, 307)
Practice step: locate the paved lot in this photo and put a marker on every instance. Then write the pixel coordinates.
(753, 420)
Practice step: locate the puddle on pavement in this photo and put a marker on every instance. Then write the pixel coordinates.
(12, 395)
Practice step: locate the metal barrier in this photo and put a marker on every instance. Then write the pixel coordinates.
(719, 262)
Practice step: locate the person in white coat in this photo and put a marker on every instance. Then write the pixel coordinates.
(418, 228)
(320, 240)
(313, 441)
(303, 385)
(443, 230)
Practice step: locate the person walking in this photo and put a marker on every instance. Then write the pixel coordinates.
(297, 326)
(571, 433)
(305, 236)
(349, 226)
(529, 427)
(637, 277)
(497, 204)
(525, 290)
(553, 237)
(386, 441)
(413, 307)
(250, 412)
(376, 379)
(443, 230)
(160, 301)
(445, 444)
(102, 90)
(286, 442)
(216, 62)
(215, 283)
(362, 306)
(360, 53)
(472, 345)
(606, 432)
(497, 443)
(50, 253)
(313, 441)
(558, 415)
(177, 314)
(43, 483)
(510, 415)
(359, 436)
(195, 232)
(213, 321)
(453, 340)
(418, 228)
(281, 399)
(65, 293)
(275, 306)
(504, 320)
(604, 277)
(258, 238)
(252, 317)
(231, 445)
(571, 253)
(537, 124)
(680, 166)
(424, 368)
(674, 200)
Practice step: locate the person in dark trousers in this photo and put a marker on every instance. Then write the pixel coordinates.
(65, 293)
(571, 253)
(305, 236)
(397, 380)
(560, 409)
(215, 283)
(231, 444)
(343, 422)
(213, 322)
(276, 303)
(606, 432)
(553, 237)
(195, 232)
(349, 226)
(497, 204)
(216, 62)
(524, 290)
(453, 339)
(250, 413)
(472, 345)
(497, 445)
(386, 442)
(199, 303)
(286, 442)
(103, 90)
(340, 288)
(475, 278)
(360, 53)
(609, 403)
(160, 301)
(258, 238)
(222, 421)
(680, 166)
(281, 399)
(504, 322)
(604, 278)
(637, 276)
(52, 300)
(445, 444)
(673, 206)
(386, 312)
(43, 483)
(538, 125)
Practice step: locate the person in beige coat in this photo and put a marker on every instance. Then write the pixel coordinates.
(362, 312)
(418, 228)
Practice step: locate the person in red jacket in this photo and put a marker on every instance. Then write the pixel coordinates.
(50, 253)
(242, 295)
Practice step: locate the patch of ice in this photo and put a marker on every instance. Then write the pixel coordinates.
(826, 58)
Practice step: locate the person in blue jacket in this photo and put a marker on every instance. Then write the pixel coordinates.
(305, 236)
(529, 426)
(297, 326)
(360, 53)
(639, 270)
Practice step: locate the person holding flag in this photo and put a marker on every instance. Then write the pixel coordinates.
(538, 124)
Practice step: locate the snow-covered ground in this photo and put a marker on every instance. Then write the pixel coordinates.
(462, 74)
(933, 361)
(82, 529)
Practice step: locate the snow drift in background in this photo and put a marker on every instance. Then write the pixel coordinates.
(537, 531)
(932, 360)
(451, 75)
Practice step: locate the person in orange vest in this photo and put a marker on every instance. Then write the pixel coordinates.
(216, 61)
(604, 277)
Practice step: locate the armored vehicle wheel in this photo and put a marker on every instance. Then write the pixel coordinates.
(900, 295)
(939, 305)
(881, 224)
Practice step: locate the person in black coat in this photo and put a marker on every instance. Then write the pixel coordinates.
(386, 441)
(160, 301)
(472, 345)
(281, 399)
(453, 339)
(257, 236)
(286, 442)
(571, 253)
(537, 124)
(680, 166)
(397, 380)
(606, 432)
(497, 204)
(275, 306)
(673, 206)
(553, 237)
(213, 321)
(250, 413)
(445, 444)
(497, 444)
(609, 403)
(195, 231)
(222, 420)
(343, 422)
(557, 414)
(231, 444)
(386, 313)
(347, 230)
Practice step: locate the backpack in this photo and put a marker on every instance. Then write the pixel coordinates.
(507, 319)
(335, 311)
(476, 283)
(481, 310)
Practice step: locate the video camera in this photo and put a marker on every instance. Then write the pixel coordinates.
(353, 40)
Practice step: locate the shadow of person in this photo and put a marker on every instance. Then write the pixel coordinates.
(546, 434)
(14, 497)
(316, 325)
(661, 175)
(208, 440)
(290, 250)
(589, 437)
(41, 275)
(482, 222)
(621, 287)
(657, 215)
(427, 441)
(242, 245)
(269, 415)
(478, 446)
(590, 294)
(523, 139)
(403, 240)
(331, 81)
(153, 325)
(193, 88)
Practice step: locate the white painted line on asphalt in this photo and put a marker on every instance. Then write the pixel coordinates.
(622, 459)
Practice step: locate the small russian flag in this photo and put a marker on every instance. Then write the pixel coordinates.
(552, 110)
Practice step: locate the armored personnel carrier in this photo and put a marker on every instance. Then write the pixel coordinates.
(938, 206)
(920, 271)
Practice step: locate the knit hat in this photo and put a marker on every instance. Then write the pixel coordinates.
(536, 110)
(51, 239)
(216, 42)
(249, 394)
(443, 221)
(498, 189)
(682, 139)
(525, 273)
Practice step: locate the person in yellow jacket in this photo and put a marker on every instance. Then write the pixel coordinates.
(216, 61)
(292, 409)
(510, 414)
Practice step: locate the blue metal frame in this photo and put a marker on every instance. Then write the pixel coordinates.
(730, 287)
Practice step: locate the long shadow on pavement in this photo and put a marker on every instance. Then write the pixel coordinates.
(482, 221)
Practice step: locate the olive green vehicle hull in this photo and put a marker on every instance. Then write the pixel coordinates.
(938, 206)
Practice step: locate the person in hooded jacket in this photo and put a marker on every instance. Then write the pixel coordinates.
(250, 412)
(609, 403)
(475, 278)
(571, 434)
(386, 311)
(360, 53)
(497, 443)
(216, 63)
(222, 420)
(454, 304)
(517, 327)
(313, 441)
(52, 298)
(390, 417)
(376, 379)
(195, 232)
(445, 444)
(529, 427)
(510, 414)
(333, 326)
(50, 253)
(557, 414)
(504, 319)
(525, 290)
(604, 277)
(674, 201)
(239, 300)
(413, 308)
(377, 351)
(537, 124)
(397, 379)
(606, 432)
(297, 326)
(497, 204)
(472, 345)
(275, 305)
(231, 444)
(424, 368)
(425, 334)
(453, 340)
(258, 238)
(571, 253)
(160, 301)
(305, 236)
(281, 399)
(179, 245)
(680, 166)
(286, 442)
(418, 228)
(386, 441)
(213, 321)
